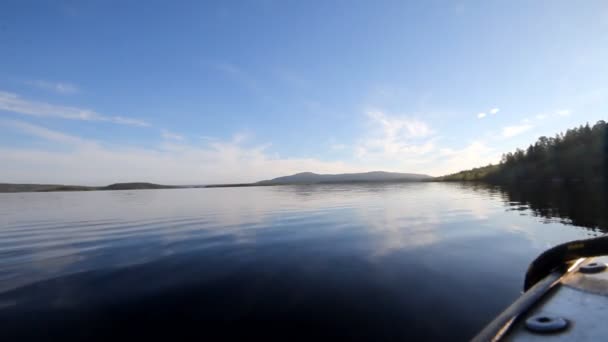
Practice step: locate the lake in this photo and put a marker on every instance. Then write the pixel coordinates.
(349, 262)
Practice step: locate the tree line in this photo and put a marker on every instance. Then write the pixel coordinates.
(578, 155)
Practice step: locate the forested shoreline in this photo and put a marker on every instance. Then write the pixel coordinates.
(579, 155)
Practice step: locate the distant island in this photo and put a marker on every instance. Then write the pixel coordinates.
(9, 187)
(299, 178)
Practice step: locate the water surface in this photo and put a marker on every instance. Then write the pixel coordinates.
(352, 262)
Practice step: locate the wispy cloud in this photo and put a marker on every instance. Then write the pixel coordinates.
(494, 110)
(63, 88)
(563, 112)
(42, 132)
(394, 143)
(481, 115)
(14, 103)
(171, 136)
(511, 131)
(81, 161)
(207, 138)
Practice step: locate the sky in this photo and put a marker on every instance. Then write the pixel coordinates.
(202, 92)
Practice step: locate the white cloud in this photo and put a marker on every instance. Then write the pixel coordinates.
(395, 137)
(393, 143)
(239, 138)
(475, 154)
(410, 145)
(57, 87)
(492, 111)
(511, 131)
(42, 132)
(171, 136)
(14, 103)
(398, 144)
(543, 116)
(400, 127)
(86, 162)
(207, 138)
(124, 121)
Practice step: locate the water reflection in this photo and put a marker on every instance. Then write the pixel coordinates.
(579, 204)
(379, 262)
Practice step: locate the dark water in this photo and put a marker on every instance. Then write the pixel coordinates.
(348, 262)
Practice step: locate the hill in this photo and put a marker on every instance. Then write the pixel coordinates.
(136, 186)
(366, 177)
(10, 187)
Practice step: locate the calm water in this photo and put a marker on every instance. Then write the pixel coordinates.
(355, 262)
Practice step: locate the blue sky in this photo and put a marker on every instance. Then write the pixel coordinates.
(95, 92)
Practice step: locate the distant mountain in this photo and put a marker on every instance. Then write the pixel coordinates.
(9, 187)
(366, 177)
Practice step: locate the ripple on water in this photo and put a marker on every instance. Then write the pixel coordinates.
(421, 246)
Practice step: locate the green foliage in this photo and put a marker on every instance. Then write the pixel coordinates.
(579, 155)
(476, 174)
